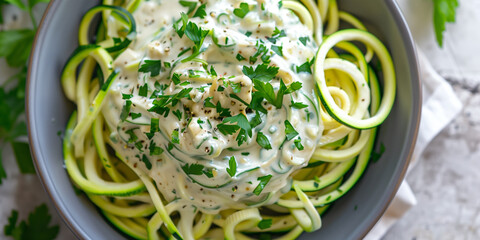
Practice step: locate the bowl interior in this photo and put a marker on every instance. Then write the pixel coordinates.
(354, 214)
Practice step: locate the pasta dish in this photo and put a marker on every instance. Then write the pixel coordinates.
(222, 119)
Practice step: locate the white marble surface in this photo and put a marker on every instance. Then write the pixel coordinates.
(446, 178)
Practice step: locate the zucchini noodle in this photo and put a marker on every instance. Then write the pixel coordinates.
(222, 119)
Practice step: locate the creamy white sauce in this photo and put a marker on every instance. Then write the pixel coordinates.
(199, 140)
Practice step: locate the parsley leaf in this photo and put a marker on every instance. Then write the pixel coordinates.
(223, 112)
(125, 110)
(290, 132)
(240, 57)
(262, 72)
(196, 34)
(208, 104)
(241, 121)
(242, 10)
(181, 30)
(305, 67)
(36, 227)
(263, 141)
(143, 90)
(266, 91)
(208, 173)
(15, 46)
(175, 136)
(298, 144)
(256, 120)
(154, 150)
(193, 169)
(277, 33)
(265, 223)
(444, 12)
(176, 78)
(147, 162)
(298, 105)
(154, 125)
(151, 66)
(263, 182)
(226, 129)
(278, 50)
(189, 4)
(232, 169)
(304, 40)
(201, 11)
(178, 114)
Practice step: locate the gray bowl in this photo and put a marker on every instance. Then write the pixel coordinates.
(350, 218)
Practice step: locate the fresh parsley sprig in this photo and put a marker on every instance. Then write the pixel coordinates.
(36, 227)
(444, 12)
(15, 46)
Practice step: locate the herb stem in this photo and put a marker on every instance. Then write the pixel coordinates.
(32, 18)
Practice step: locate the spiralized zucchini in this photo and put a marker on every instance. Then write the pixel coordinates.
(351, 108)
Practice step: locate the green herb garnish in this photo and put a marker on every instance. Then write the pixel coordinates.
(232, 169)
(242, 10)
(263, 182)
(37, 226)
(193, 169)
(290, 132)
(263, 141)
(151, 66)
(265, 223)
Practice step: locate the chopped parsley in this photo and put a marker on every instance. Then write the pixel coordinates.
(201, 11)
(126, 96)
(147, 162)
(143, 90)
(304, 40)
(265, 223)
(305, 67)
(154, 150)
(262, 72)
(242, 124)
(263, 141)
(298, 105)
(232, 169)
(154, 125)
(178, 114)
(266, 91)
(227, 129)
(135, 115)
(125, 110)
(290, 132)
(240, 57)
(151, 66)
(176, 78)
(193, 169)
(261, 185)
(191, 5)
(276, 35)
(278, 50)
(298, 144)
(175, 136)
(256, 120)
(242, 11)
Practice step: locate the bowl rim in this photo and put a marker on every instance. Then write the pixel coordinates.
(412, 134)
